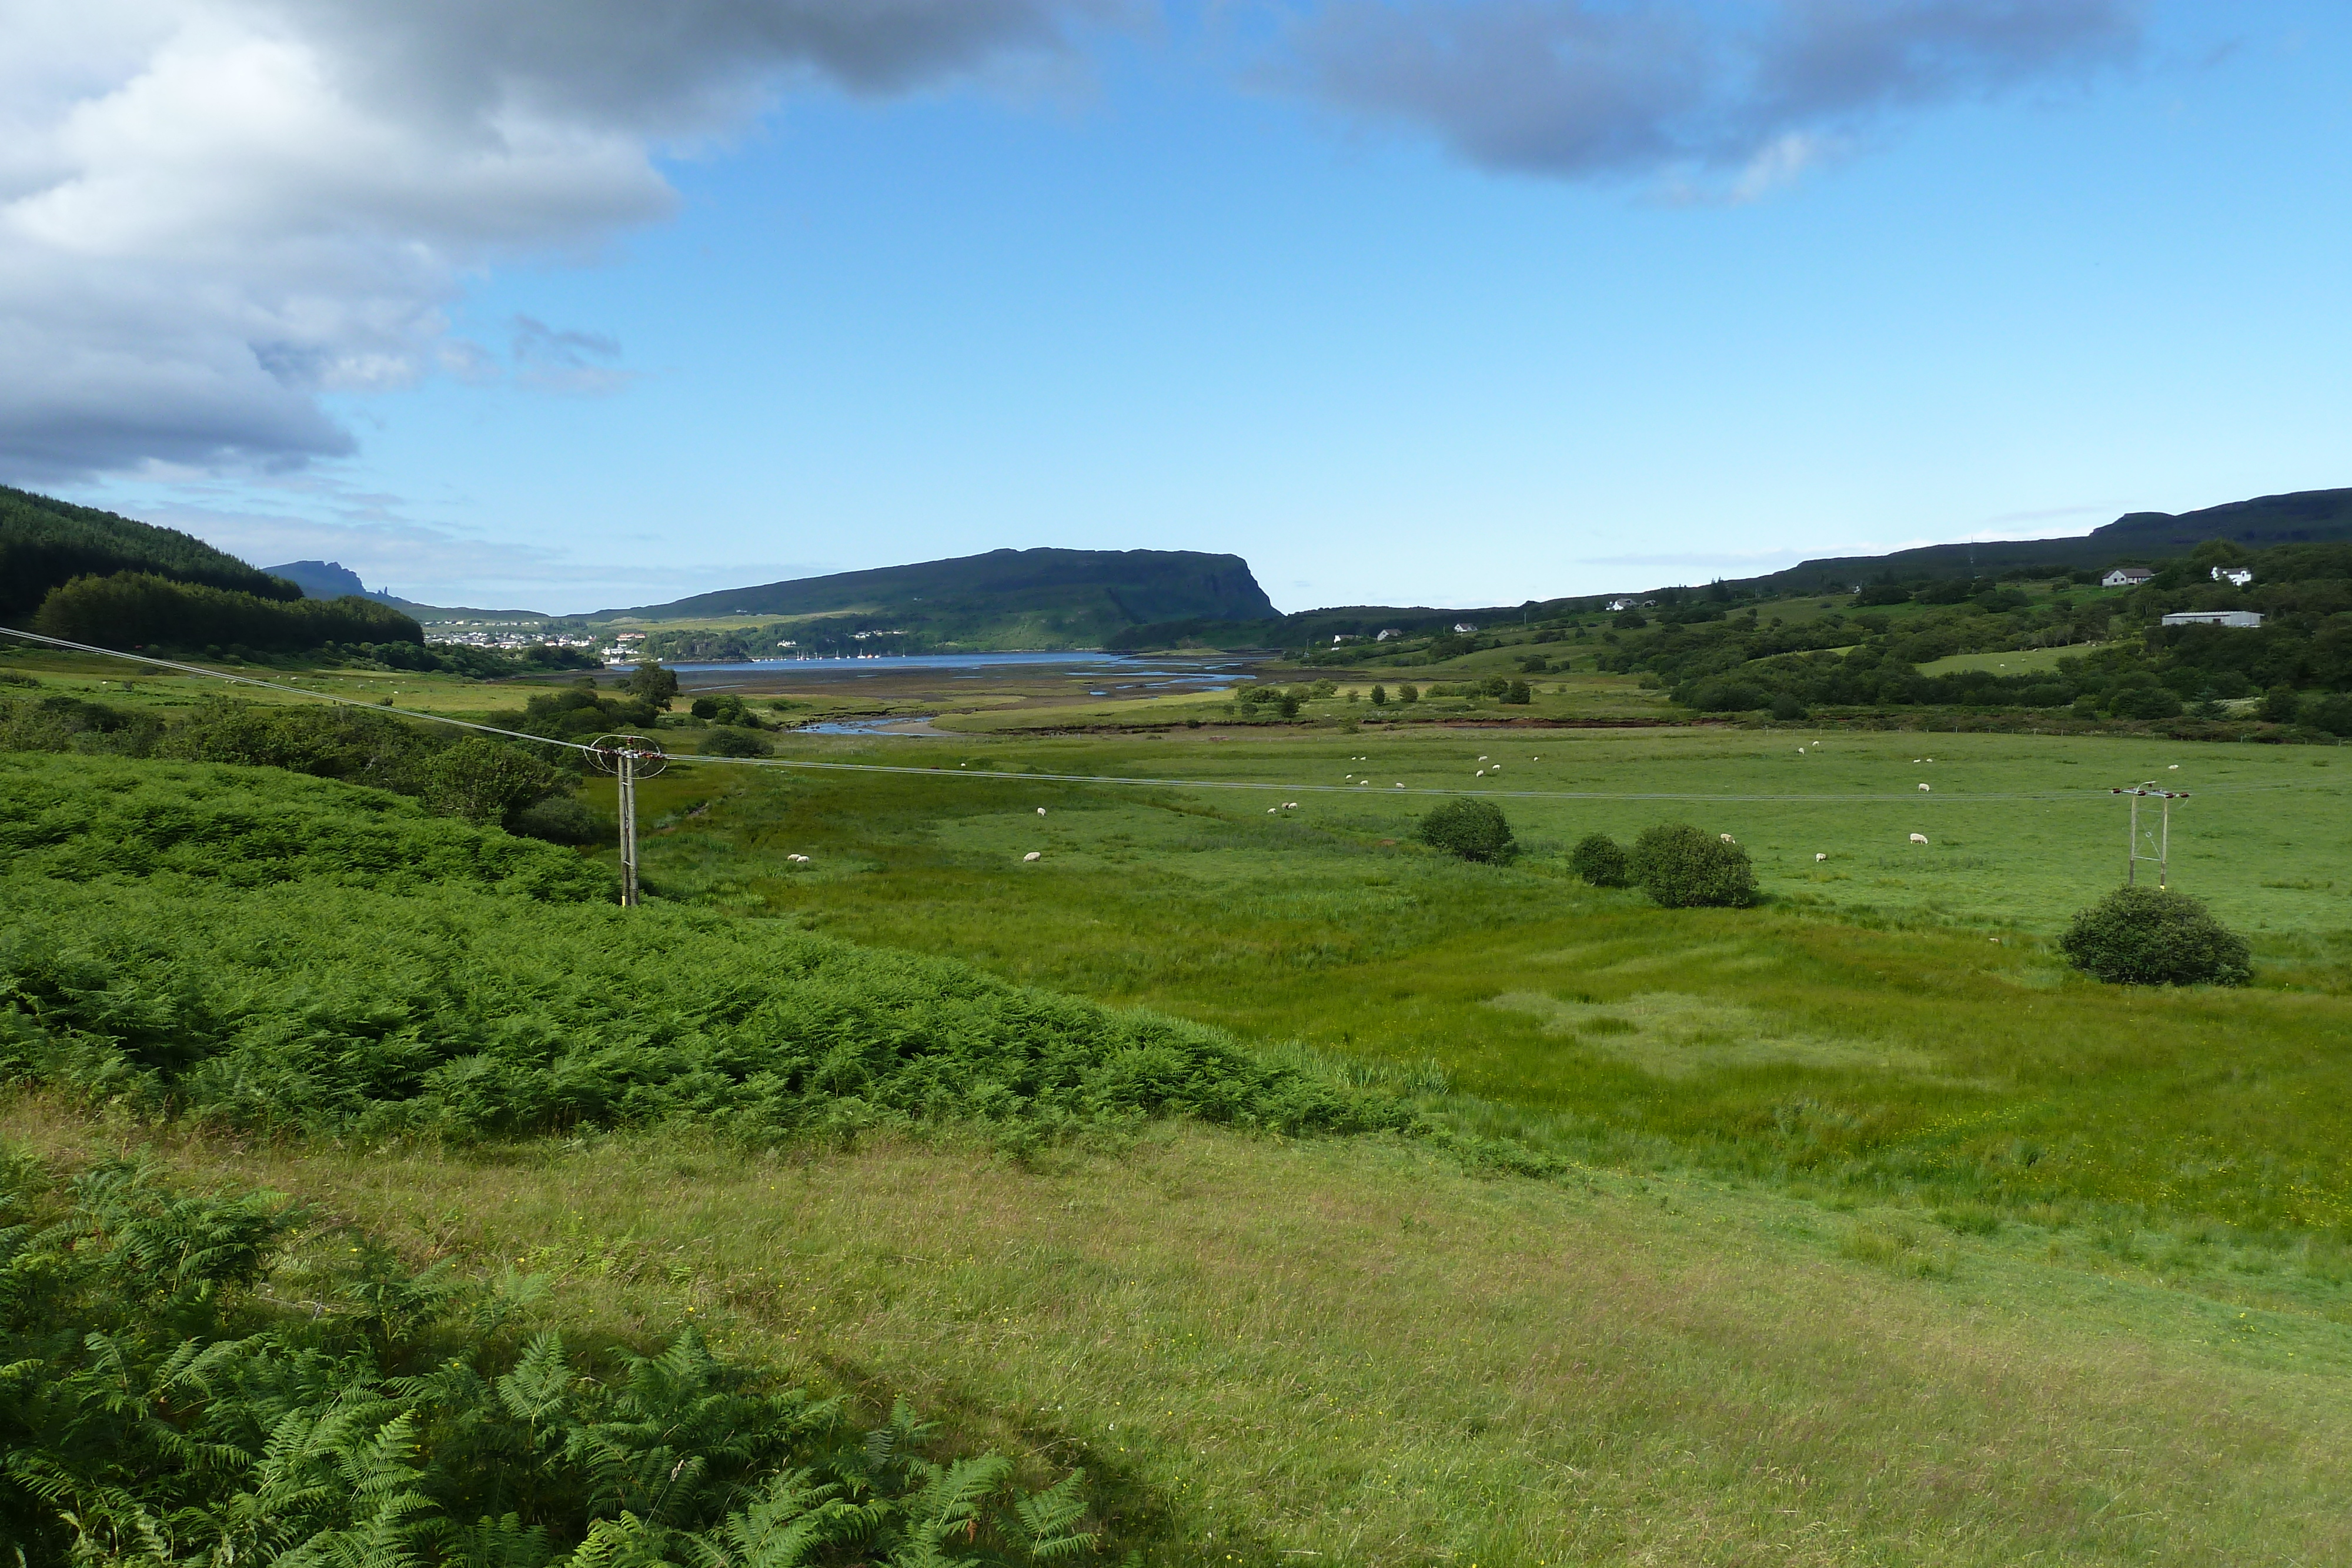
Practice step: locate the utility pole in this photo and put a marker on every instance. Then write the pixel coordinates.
(2162, 858)
(628, 758)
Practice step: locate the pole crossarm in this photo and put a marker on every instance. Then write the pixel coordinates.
(2132, 855)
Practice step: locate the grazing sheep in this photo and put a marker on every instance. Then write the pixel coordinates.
(2172, 768)
(1924, 789)
(1271, 809)
(1819, 859)
(1918, 838)
(1727, 838)
(1032, 855)
(1041, 811)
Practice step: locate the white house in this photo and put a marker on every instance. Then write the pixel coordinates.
(1385, 635)
(1617, 604)
(2125, 576)
(1464, 627)
(2237, 576)
(2213, 618)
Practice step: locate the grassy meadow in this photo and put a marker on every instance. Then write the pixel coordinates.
(1893, 1025)
(1265, 1352)
(1853, 1228)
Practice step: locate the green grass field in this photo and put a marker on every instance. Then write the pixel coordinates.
(1893, 1025)
(1882, 1237)
(1268, 1352)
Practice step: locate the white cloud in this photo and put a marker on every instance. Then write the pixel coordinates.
(213, 211)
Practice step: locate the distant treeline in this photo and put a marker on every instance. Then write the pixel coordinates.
(140, 610)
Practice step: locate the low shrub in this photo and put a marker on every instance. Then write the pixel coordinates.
(1473, 830)
(318, 1008)
(1600, 860)
(734, 742)
(563, 819)
(1684, 867)
(2154, 936)
(90, 818)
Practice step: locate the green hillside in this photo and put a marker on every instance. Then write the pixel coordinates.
(1006, 598)
(46, 542)
(2305, 516)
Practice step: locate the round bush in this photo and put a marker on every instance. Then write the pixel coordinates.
(1600, 860)
(2154, 936)
(2145, 702)
(1682, 867)
(732, 742)
(2333, 714)
(563, 819)
(1474, 829)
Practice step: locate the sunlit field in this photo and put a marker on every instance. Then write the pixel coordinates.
(1893, 1024)
(1851, 1228)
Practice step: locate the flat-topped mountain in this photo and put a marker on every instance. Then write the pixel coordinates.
(1031, 597)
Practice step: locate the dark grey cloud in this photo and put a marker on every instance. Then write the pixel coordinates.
(1580, 88)
(215, 213)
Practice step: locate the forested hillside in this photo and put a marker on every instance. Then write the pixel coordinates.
(2130, 665)
(44, 543)
(89, 576)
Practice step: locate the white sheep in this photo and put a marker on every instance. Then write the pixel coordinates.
(1918, 838)
(1041, 811)
(1033, 854)
(1819, 859)
(1727, 838)
(1924, 788)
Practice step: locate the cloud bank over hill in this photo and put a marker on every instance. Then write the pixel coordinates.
(213, 212)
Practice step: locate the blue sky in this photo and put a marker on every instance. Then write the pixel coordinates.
(1391, 325)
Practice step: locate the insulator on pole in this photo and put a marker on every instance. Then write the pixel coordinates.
(628, 758)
